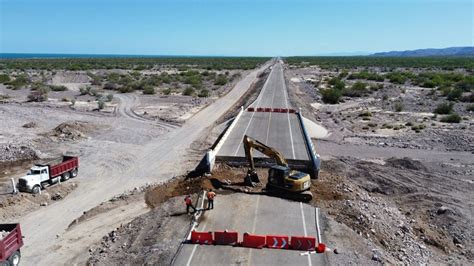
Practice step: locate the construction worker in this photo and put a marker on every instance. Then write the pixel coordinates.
(189, 204)
(210, 199)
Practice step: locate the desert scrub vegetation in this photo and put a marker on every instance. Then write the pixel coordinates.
(134, 63)
(38, 95)
(149, 90)
(4, 78)
(189, 91)
(347, 62)
(444, 108)
(331, 96)
(452, 118)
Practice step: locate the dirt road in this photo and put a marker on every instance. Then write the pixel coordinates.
(111, 165)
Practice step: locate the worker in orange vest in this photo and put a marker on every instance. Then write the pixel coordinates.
(189, 203)
(210, 199)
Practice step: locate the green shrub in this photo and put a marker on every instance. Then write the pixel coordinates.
(365, 114)
(4, 78)
(148, 90)
(167, 91)
(358, 89)
(331, 96)
(110, 97)
(399, 106)
(58, 88)
(470, 108)
(454, 94)
(204, 93)
(100, 104)
(189, 91)
(452, 118)
(39, 95)
(221, 80)
(444, 108)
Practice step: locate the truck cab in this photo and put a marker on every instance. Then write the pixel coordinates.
(33, 180)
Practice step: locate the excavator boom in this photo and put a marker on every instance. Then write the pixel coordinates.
(250, 144)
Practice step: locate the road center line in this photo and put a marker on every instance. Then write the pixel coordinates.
(194, 248)
(254, 226)
(289, 124)
(260, 96)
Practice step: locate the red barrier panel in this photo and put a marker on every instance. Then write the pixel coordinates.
(284, 110)
(303, 243)
(260, 109)
(268, 110)
(253, 241)
(276, 110)
(280, 242)
(321, 248)
(291, 111)
(201, 238)
(251, 109)
(226, 238)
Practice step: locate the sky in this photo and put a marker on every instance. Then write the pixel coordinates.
(233, 27)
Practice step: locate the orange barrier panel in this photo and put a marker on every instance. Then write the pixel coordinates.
(259, 109)
(226, 238)
(303, 243)
(253, 241)
(321, 248)
(280, 242)
(201, 238)
(251, 109)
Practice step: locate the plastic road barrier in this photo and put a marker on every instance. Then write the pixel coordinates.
(279, 242)
(226, 238)
(254, 241)
(201, 237)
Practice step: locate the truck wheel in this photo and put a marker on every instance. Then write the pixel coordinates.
(74, 173)
(14, 259)
(36, 189)
(65, 176)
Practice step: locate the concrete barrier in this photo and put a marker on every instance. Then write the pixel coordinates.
(211, 153)
(315, 160)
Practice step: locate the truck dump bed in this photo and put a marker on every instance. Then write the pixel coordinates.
(67, 164)
(12, 240)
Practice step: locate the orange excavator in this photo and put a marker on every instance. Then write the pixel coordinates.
(281, 179)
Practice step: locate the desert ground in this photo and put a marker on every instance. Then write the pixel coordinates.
(397, 171)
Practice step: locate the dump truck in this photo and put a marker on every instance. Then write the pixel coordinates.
(11, 241)
(50, 173)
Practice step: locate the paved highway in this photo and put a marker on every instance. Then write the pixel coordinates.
(255, 214)
(278, 130)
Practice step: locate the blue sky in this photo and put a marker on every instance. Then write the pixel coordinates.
(232, 27)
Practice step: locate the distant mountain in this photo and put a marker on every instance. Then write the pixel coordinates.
(451, 51)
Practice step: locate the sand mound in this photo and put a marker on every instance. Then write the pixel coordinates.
(315, 131)
(74, 130)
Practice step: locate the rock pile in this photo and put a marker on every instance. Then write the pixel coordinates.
(11, 152)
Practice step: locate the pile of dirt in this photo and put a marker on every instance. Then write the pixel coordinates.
(14, 152)
(410, 214)
(73, 130)
(30, 125)
(15, 206)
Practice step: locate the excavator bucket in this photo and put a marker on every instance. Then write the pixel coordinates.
(252, 178)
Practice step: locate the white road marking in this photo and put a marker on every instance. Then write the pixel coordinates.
(289, 124)
(317, 226)
(194, 249)
(254, 226)
(304, 228)
(260, 96)
(270, 118)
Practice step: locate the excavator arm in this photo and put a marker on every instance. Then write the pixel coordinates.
(250, 144)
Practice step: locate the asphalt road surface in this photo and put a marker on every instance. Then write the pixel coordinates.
(255, 214)
(278, 130)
